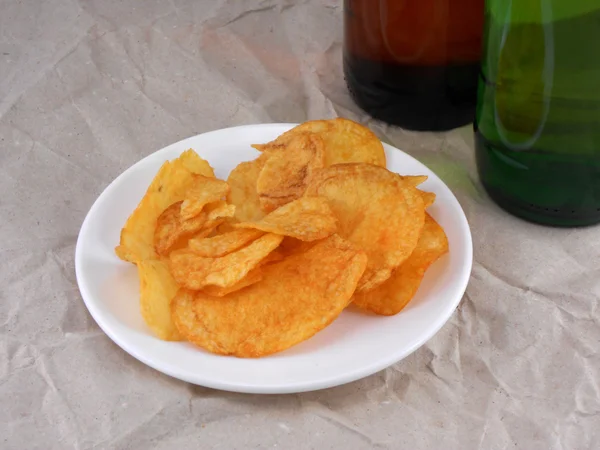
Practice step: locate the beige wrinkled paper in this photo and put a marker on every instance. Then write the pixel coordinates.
(89, 87)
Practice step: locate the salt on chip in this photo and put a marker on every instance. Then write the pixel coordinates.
(242, 185)
(295, 299)
(168, 186)
(204, 190)
(306, 219)
(394, 294)
(157, 289)
(344, 141)
(195, 272)
(287, 169)
(223, 244)
(376, 211)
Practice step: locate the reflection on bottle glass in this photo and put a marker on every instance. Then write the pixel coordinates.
(538, 114)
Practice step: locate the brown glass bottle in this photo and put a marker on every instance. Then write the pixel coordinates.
(414, 63)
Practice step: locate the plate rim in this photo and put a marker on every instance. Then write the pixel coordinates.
(306, 386)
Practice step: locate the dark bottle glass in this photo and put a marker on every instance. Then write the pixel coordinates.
(414, 63)
(537, 128)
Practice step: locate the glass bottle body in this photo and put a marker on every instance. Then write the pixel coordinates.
(537, 127)
(414, 64)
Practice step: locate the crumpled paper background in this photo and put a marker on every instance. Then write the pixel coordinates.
(89, 87)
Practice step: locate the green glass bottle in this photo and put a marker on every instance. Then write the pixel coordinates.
(537, 126)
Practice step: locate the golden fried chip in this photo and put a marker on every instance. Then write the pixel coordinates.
(157, 289)
(345, 141)
(287, 170)
(414, 180)
(376, 210)
(223, 244)
(393, 295)
(168, 186)
(428, 198)
(273, 257)
(195, 272)
(292, 246)
(242, 194)
(219, 210)
(254, 276)
(171, 232)
(306, 219)
(296, 298)
(192, 162)
(204, 190)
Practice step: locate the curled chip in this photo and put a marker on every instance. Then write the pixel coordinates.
(344, 140)
(287, 170)
(157, 289)
(219, 210)
(203, 190)
(393, 295)
(306, 219)
(295, 299)
(168, 186)
(292, 246)
(254, 276)
(223, 244)
(171, 232)
(414, 180)
(376, 210)
(242, 185)
(195, 272)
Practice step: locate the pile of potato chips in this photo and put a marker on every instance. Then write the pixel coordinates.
(258, 263)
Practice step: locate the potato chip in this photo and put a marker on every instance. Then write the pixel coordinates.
(194, 272)
(414, 180)
(345, 141)
(157, 289)
(204, 190)
(273, 257)
(393, 295)
(287, 170)
(171, 232)
(296, 298)
(209, 229)
(292, 246)
(219, 210)
(306, 219)
(192, 162)
(168, 186)
(254, 276)
(223, 244)
(376, 210)
(242, 194)
(428, 198)
(226, 226)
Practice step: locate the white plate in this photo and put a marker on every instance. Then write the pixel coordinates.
(354, 346)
